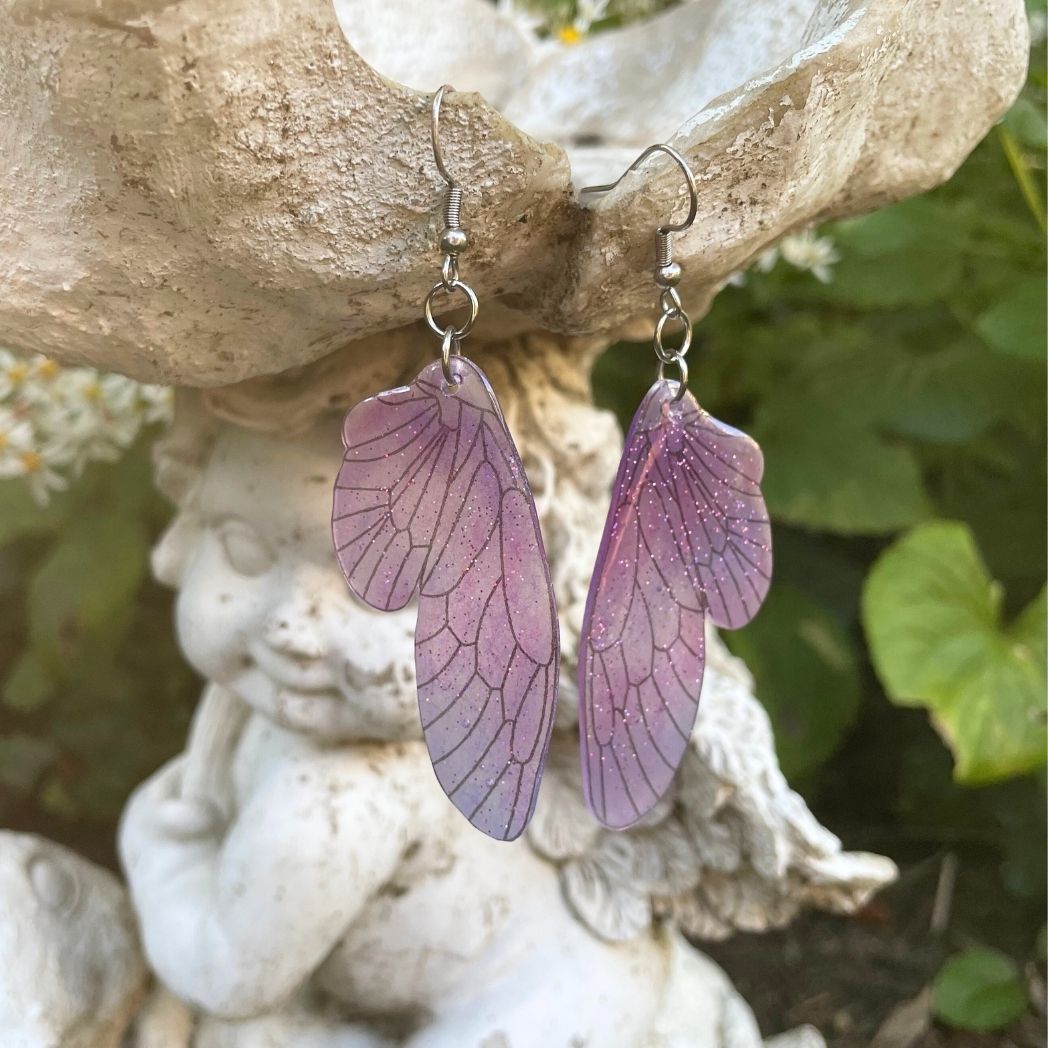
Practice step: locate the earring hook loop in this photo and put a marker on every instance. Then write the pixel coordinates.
(434, 132)
(689, 177)
(667, 272)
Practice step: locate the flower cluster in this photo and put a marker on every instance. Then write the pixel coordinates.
(55, 420)
(803, 251)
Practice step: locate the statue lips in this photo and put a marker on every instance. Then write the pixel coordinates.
(301, 675)
(301, 695)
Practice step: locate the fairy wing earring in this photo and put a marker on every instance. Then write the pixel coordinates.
(432, 500)
(687, 536)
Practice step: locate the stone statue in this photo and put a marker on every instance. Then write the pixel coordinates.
(71, 969)
(298, 870)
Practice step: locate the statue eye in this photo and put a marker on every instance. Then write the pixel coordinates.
(55, 887)
(244, 548)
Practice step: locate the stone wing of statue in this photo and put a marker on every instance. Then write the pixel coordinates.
(730, 847)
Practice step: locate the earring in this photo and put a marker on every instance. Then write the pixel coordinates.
(432, 500)
(686, 537)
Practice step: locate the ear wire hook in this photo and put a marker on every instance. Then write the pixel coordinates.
(453, 240)
(453, 200)
(693, 192)
(667, 272)
(434, 131)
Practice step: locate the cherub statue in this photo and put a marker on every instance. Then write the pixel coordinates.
(301, 879)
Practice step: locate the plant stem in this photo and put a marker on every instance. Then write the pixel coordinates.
(1014, 156)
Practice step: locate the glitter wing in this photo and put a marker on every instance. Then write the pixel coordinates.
(687, 536)
(432, 500)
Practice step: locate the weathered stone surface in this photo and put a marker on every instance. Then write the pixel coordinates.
(201, 193)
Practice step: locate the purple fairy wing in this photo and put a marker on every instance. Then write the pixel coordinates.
(432, 500)
(687, 535)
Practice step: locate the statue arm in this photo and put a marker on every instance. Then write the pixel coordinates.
(234, 924)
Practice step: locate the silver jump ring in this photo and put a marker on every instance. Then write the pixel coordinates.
(670, 303)
(449, 272)
(682, 367)
(668, 356)
(449, 347)
(474, 308)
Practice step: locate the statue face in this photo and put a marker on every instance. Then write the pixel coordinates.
(263, 608)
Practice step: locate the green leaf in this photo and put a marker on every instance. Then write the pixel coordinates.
(980, 990)
(807, 676)
(901, 256)
(947, 397)
(19, 514)
(1016, 324)
(933, 621)
(997, 486)
(1026, 122)
(82, 596)
(946, 393)
(30, 685)
(826, 471)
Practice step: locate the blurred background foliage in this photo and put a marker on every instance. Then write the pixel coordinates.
(894, 375)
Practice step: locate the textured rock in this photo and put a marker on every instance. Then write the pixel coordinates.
(201, 194)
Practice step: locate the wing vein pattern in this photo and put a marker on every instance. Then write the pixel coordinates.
(687, 536)
(432, 502)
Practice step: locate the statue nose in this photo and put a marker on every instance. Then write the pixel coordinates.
(294, 639)
(294, 629)
(301, 625)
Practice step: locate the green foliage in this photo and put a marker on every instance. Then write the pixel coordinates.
(1016, 323)
(20, 515)
(82, 595)
(93, 691)
(979, 990)
(901, 409)
(796, 648)
(829, 472)
(933, 619)
(909, 388)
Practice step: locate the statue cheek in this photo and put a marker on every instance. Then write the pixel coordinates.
(217, 610)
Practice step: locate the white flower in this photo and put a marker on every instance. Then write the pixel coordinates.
(529, 21)
(55, 420)
(41, 478)
(156, 404)
(32, 465)
(13, 374)
(813, 253)
(16, 432)
(766, 259)
(92, 417)
(588, 12)
(803, 251)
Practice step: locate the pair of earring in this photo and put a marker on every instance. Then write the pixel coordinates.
(432, 501)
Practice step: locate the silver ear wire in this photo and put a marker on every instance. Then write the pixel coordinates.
(659, 147)
(667, 272)
(434, 132)
(453, 240)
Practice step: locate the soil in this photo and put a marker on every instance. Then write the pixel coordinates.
(864, 981)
